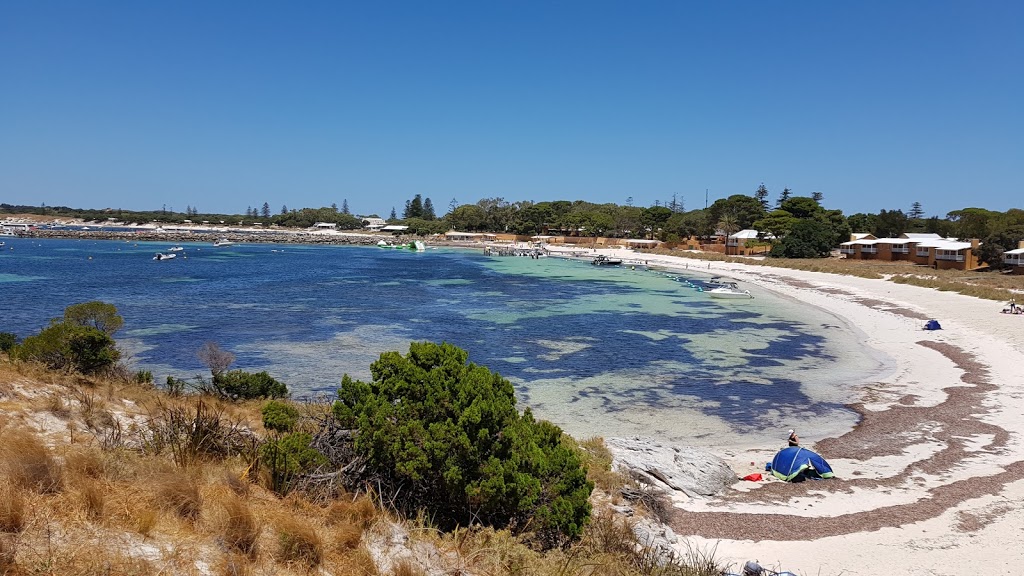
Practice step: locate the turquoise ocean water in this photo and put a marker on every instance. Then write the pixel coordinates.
(597, 350)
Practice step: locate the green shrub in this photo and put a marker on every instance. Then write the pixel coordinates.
(175, 386)
(444, 435)
(65, 346)
(288, 457)
(280, 417)
(241, 385)
(8, 341)
(95, 314)
(143, 377)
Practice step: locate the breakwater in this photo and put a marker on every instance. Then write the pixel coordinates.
(247, 237)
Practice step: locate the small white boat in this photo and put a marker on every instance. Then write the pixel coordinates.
(175, 249)
(223, 242)
(729, 290)
(161, 256)
(602, 260)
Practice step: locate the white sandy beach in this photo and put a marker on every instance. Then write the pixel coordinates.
(932, 479)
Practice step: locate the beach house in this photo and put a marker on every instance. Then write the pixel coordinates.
(744, 243)
(373, 224)
(922, 249)
(1014, 259)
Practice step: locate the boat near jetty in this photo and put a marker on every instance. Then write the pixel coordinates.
(223, 242)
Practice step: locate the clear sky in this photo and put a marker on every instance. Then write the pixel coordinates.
(225, 105)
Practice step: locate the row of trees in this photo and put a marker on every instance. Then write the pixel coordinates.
(670, 222)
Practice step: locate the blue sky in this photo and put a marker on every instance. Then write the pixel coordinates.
(226, 105)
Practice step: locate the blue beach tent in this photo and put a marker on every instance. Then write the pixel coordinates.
(794, 462)
(932, 325)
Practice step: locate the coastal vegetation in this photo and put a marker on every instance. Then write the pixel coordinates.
(444, 436)
(81, 342)
(103, 473)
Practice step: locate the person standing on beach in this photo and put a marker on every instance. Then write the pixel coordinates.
(794, 440)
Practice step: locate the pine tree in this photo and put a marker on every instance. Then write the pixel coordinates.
(762, 196)
(334, 207)
(916, 212)
(453, 205)
(817, 196)
(676, 205)
(248, 211)
(266, 210)
(629, 201)
(786, 192)
(284, 209)
(344, 207)
(428, 210)
(394, 215)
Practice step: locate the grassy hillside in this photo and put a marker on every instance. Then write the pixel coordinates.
(102, 476)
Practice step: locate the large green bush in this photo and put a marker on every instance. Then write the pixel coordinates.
(444, 436)
(242, 385)
(66, 346)
(280, 417)
(95, 314)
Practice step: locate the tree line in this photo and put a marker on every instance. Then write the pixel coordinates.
(795, 226)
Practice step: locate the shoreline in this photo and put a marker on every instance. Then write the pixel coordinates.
(931, 477)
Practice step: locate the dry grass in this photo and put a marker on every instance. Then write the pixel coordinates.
(236, 484)
(298, 542)
(94, 499)
(85, 463)
(143, 520)
(598, 460)
(234, 565)
(355, 511)
(29, 464)
(13, 513)
(178, 493)
(406, 567)
(238, 528)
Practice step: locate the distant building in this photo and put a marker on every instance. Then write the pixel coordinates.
(453, 235)
(394, 228)
(1014, 259)
(374, 224)
(918, 248)
(325, 225)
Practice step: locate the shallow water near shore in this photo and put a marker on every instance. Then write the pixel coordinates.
(600, 351)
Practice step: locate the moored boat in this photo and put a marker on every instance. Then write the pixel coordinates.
(162, 256)
(223, 242)
(602, 260)
(729, 290)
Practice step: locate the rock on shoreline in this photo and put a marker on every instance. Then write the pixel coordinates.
(692, 471)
